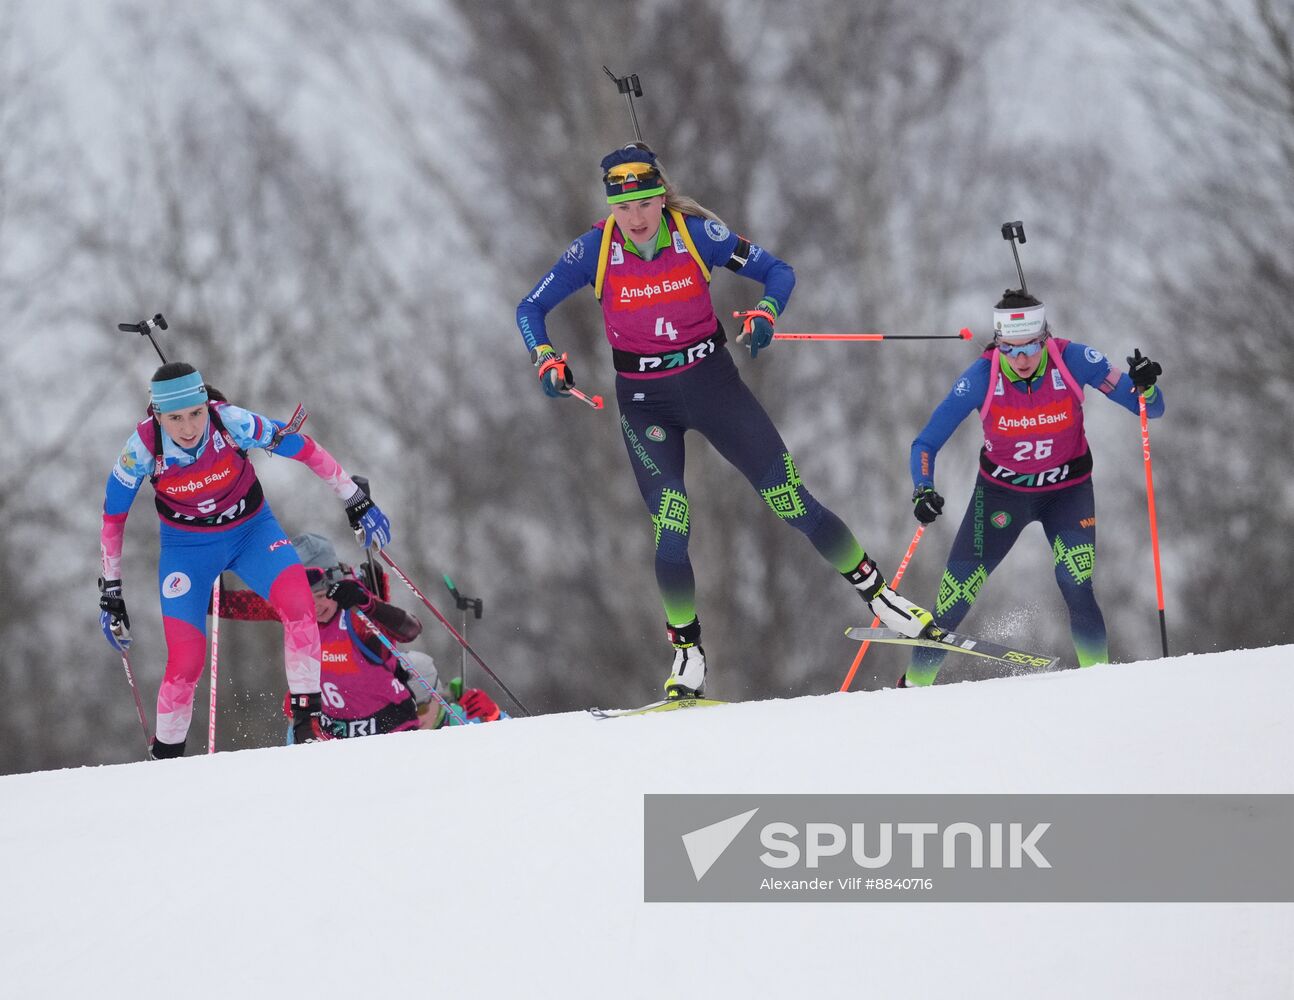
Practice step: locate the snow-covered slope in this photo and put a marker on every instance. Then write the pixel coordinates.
(506, 860)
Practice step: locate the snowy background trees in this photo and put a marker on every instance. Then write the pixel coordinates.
(340, 203)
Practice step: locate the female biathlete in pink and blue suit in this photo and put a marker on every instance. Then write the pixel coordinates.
(1027, 389)
(215, 517)
(650, 264)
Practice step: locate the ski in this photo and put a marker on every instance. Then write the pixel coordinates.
(667, 705)
(956, 642)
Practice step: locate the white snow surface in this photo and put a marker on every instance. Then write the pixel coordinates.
(506, 860)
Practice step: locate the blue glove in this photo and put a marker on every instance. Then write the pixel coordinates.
(112, 615)
(555, 375)
(371, 526)
(757, 325)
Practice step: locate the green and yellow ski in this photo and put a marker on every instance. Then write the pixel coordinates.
(955, 642)
(667, 705)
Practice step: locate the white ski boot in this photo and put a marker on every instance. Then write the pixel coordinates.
(894, 611)
(687, 677)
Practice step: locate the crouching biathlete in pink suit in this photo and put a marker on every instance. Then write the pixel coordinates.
(193, 448)
(367, 689)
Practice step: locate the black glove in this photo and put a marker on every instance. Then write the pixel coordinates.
(112, 615)
(927, 504)
(350, 594)
(1143, 371)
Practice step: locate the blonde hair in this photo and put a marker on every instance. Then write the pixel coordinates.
(681, 202)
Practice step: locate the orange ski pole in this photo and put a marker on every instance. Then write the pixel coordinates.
(898, 575)
(1154, 524)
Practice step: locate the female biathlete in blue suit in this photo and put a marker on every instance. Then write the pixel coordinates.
(1035, 466)
(650, 264)
(215, 517)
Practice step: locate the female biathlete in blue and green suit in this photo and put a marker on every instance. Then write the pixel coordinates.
(1027, 388)
(650, 264)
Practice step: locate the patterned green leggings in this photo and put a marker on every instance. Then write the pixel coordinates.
(993, 521)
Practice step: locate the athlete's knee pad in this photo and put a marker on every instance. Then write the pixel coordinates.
(672, 523)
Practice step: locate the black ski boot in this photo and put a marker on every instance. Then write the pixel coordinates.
(687, 677)
(306, 727)
(157, 750)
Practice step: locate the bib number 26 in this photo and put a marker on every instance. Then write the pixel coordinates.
(1026, 450)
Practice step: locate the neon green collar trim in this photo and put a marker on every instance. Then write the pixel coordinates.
(662, 239)
(1013, 375)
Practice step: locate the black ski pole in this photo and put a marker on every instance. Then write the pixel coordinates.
(464, 604)
(631, 88)
(145, 328)
(1013, 231)
(452, 631)
(362, 483)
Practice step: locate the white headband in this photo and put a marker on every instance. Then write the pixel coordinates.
(1018, 325)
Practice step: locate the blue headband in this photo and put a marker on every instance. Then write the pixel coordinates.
(178, 393)
(630, 173)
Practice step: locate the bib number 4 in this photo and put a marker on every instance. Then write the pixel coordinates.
(664, 328)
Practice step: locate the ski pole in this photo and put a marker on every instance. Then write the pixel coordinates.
(362, 483)
(215, 664)
(1154, 524)
(454, 710)
(139, 705)
(593, 401)
(964, 334)
(452, 631)
(898, 575)
(145, 328)
(464, 604)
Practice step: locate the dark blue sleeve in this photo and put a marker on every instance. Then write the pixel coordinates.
(1090, 367)
(577, 267)
(963, 399)
(715, 242)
